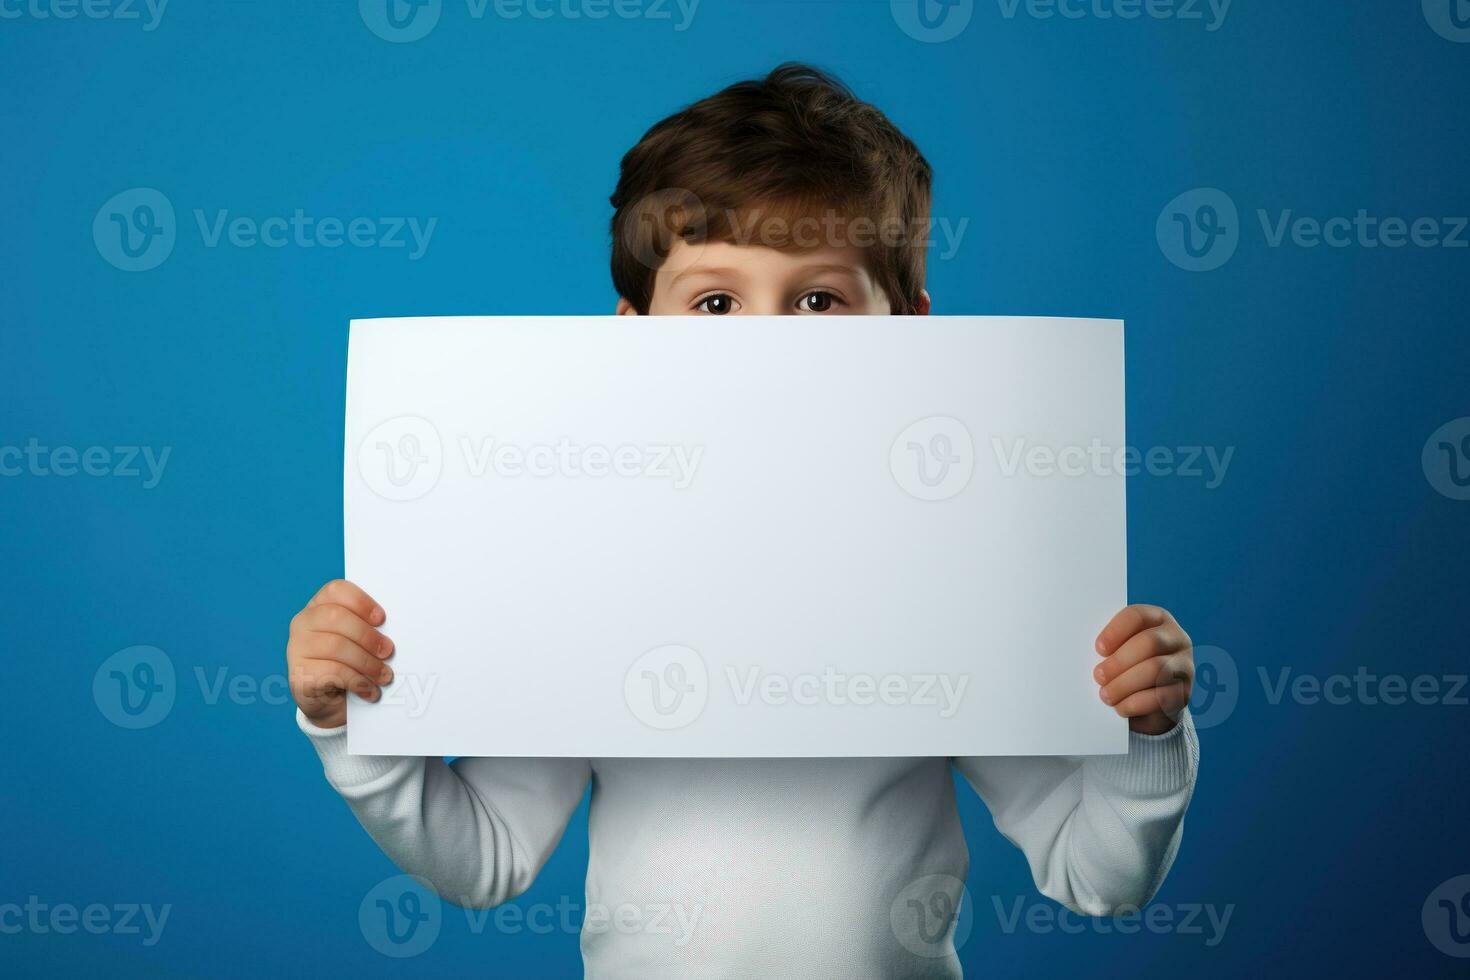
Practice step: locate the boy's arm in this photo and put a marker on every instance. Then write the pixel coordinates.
(478, 830)
(1099, 833)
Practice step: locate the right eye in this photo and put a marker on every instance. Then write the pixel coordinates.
(716, 304)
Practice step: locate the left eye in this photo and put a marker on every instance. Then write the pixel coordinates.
(816, 302)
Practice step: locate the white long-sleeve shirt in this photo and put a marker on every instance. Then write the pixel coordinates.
(773, 867)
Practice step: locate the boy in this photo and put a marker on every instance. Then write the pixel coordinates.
(784, 195)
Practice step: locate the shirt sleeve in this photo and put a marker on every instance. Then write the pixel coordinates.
(478, 830)
(1099, 832)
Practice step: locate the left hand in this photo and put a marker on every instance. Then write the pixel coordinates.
(1147, 672)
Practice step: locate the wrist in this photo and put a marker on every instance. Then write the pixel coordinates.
(325, 726)
(1156, 723)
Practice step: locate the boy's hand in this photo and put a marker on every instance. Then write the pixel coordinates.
(1148, 672)
(334, 648)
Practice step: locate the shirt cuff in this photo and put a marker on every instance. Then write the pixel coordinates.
(1156, 765)
(344, 769)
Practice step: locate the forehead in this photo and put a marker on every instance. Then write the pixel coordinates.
(688, 260)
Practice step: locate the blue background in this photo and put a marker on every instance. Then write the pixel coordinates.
(1325, 548)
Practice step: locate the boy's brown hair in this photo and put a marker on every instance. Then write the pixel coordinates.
(793, 160)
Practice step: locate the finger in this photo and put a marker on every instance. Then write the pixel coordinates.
(327, 678)
(1174, 698)
(339, 649)
(341, 592)
(1128, 621)
(1153, 672)
(1156, 642)
(1169, 700)
(341, 621)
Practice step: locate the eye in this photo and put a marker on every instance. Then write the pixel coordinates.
(716, 304)
(817, 301)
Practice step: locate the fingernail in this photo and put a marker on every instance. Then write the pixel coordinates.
(1099, 674)
(1099, 646)
(387, 675)
(1107, 698)
(385, 647)
(377, 616)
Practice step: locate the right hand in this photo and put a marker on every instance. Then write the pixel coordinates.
(334, 647)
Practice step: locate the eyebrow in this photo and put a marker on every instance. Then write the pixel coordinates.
(703, 271)
(849, 270)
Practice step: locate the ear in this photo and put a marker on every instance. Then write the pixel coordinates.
(625, 308)
(921, 308)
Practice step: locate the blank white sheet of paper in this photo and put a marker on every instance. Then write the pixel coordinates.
(737, 536)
